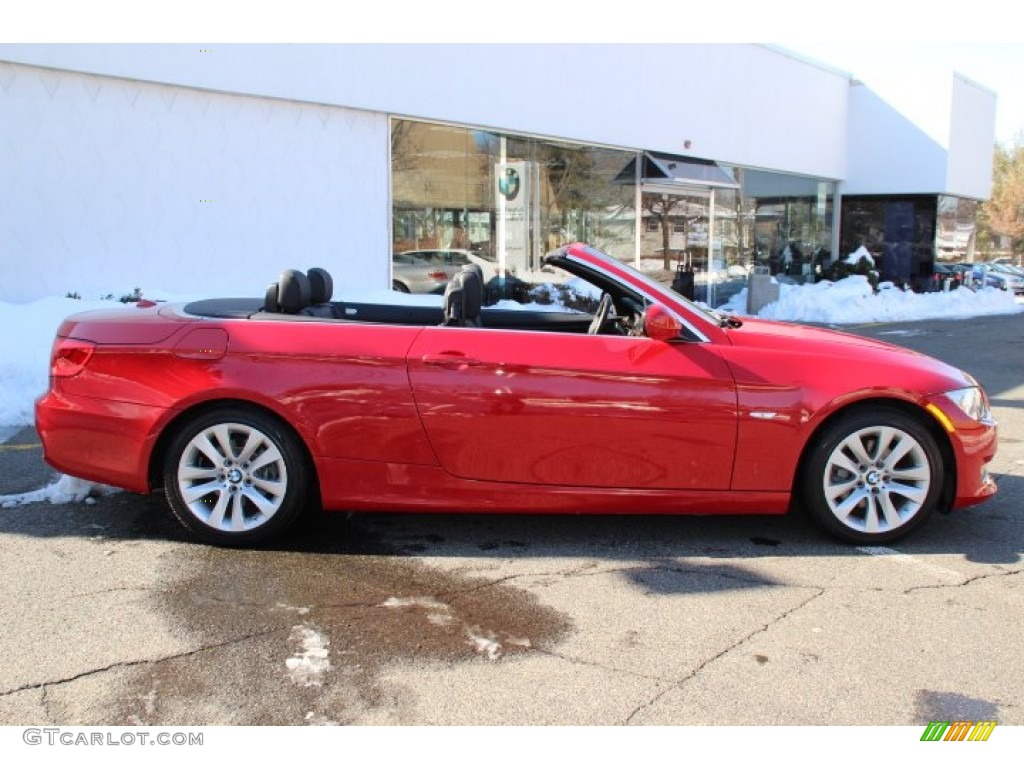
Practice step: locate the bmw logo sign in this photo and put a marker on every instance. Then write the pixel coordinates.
(508, 184)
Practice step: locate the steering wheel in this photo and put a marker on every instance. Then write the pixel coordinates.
(603, 310)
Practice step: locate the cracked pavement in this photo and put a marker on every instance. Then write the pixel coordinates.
(111, 616)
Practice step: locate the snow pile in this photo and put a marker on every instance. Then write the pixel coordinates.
(25, 351)
(861, 253)
(66, 490)
(851, 300)
(309, 666)
(26, 344)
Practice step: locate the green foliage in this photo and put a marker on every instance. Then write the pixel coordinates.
(73, 295)
(839, 269)
(131, 298)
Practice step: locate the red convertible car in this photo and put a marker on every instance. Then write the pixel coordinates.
(246, 411)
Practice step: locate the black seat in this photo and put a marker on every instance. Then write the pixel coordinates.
(290, 294)
(463, 299)
(321, 288)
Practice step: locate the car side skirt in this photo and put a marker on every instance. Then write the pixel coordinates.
(367, 486)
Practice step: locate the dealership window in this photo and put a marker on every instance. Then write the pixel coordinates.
(906, 234)
(779, 221)
(739, 219)
(505, 198)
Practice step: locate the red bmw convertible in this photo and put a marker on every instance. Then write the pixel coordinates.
(631, 399)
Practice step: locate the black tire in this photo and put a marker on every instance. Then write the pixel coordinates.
(235, 477)
(400, 287)
(873, 477)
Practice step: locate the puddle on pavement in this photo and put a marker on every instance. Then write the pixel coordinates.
(332, 594)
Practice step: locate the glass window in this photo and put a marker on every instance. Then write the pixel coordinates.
(779, 221)
(898, 231)
(506, 200)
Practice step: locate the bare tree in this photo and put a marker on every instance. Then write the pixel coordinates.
(669, 210)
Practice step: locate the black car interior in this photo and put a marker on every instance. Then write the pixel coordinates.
(298, 295)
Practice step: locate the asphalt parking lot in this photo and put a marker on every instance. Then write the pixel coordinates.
(111, 616)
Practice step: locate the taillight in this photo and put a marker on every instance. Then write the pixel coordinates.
(437, 274)
(70, 356)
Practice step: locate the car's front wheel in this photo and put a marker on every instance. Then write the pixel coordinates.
(235, 477)
(873, 477)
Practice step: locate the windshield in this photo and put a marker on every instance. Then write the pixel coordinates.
(654, 287)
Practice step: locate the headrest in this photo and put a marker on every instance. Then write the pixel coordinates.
(321, 285)
(471, 279)
(292, 291)
(270, 300)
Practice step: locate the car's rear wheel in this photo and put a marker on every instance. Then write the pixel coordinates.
(235, 477)
(874, 476)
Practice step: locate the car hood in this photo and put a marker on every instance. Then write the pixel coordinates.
(774, 333)
(853, 357)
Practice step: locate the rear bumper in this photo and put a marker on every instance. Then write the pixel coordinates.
(98, 440)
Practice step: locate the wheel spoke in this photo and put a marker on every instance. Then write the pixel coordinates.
(891, 514)
(194, 493)
(272, 487)
(918, 474)
(884, 439)
(871, 514)
(269, 456)
(843, 461)
(844, 508)
(216, 519)
(237, 513)
(855, 445)
(837, 490)
(223, 434)
(202, 444)
(265, 505)
(252, 442)
(191, 472)
(912, 492)
(901, 449)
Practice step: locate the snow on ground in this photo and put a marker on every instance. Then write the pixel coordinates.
(308, 666)
(480, 640)
(851, 301)
(66, 490)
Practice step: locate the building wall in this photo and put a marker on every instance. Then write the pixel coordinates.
(971, 140)
(933, 135)
(109, 153)
(217, 193)
(742, 104)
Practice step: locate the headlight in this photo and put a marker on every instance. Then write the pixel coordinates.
(972, 401)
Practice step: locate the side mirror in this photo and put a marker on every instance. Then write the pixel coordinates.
(660, 324)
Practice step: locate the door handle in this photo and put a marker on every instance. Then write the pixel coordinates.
(456, 360)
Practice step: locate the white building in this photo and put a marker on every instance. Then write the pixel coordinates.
(219, 167)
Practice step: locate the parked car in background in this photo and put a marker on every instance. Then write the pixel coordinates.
(1009, 269)
(996, 276)
(454, 259)
(956, 274)
(410, 274)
